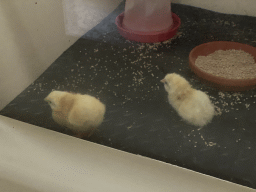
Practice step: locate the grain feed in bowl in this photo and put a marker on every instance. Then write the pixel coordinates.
(229, 64)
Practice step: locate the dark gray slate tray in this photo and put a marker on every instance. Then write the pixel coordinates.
(125, 76)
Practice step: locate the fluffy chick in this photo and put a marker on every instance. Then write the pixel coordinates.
(80, 113)
(192, 105)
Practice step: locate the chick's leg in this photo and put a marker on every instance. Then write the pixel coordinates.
(82, 134)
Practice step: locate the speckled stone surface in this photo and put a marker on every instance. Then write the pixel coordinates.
(126, 77)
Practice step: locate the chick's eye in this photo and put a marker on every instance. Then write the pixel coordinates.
(165, 83)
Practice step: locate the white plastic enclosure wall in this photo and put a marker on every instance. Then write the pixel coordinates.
(33, 34)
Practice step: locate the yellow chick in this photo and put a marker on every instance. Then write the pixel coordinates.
(80, 113)
(192, 105)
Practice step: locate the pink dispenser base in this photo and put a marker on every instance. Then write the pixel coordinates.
(148, 37)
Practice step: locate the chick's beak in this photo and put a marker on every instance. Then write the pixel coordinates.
(163, 81)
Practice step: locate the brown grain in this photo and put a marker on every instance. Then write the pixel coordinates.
(230, 64)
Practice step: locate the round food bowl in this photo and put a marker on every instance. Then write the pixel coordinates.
(148, 37)
(221, 83)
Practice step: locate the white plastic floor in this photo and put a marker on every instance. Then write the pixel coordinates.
(35, 159)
